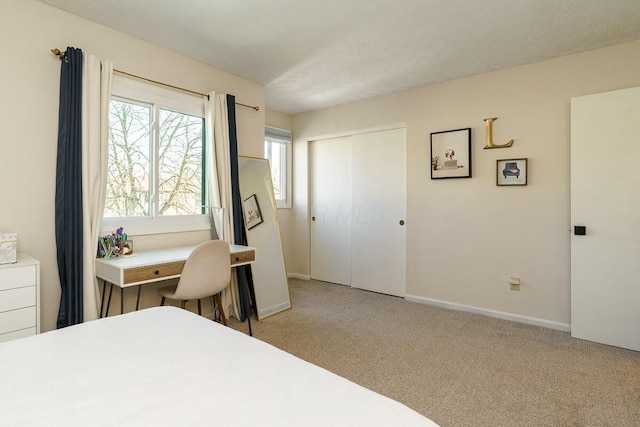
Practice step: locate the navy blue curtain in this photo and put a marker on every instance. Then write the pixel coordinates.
(68, 202)
(245, 278)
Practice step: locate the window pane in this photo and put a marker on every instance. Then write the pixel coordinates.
(279, 170)
(278, 146)
(180, 164)
(277, 155)
(128, 180)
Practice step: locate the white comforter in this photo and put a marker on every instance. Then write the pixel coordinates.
(166, 366)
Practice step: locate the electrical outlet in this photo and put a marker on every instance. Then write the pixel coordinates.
(514, 283)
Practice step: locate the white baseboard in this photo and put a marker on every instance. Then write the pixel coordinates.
(299, 276)
(491, 313)
(274, 309)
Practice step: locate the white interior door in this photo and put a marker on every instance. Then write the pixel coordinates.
(330, 161)
(605, 263)
(379, 202)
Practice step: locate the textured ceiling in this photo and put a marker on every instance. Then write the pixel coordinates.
(316, 54)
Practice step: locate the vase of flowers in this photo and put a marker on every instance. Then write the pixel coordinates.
(434, 162)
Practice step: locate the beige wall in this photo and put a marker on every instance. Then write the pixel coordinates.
(29, 85)
(278, 120)
(466, 237)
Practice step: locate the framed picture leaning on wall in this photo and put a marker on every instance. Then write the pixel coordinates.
(252, 214)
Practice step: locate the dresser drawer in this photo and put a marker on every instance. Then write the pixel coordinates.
(17, 277)
(22, 333)
(242, 257)
(17, 319)
(155, 272)
(17, 298)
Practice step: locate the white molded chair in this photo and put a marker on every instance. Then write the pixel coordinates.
(206, 273)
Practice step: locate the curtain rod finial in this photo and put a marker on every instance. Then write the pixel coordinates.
(57, 52)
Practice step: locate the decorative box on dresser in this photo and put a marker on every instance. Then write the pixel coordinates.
(19, 298)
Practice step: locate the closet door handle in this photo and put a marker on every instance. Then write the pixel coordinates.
(313, 218)
(402, 222)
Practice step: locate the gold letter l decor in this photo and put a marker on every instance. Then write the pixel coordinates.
(490, 143)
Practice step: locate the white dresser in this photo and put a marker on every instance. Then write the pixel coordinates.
(19, 298)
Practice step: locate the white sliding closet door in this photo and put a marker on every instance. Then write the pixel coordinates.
(330, 207)
(605, 262)
(358, 202)
(379, 199)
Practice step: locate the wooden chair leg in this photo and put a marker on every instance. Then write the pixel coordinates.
(183, 304)
(162, 301)
(199, 308)
(224, 319)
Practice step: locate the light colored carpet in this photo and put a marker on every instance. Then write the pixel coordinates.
(457, 368)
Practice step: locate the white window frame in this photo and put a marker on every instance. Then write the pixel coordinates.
(138, 91)
(273, 134)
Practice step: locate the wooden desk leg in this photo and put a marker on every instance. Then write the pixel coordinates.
(121, 300)
(106, 313)
(138, 300)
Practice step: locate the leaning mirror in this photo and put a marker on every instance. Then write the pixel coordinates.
(263, 233)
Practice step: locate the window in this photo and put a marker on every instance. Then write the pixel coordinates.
(156, 173)
(277, 148)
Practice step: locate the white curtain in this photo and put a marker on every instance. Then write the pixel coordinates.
(218, 166)
(96, 89)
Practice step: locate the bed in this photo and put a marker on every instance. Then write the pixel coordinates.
(167, 366)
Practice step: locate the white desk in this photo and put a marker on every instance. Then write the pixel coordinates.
(146, 267)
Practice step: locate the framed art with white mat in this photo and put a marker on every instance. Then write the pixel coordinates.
(451, 154)
(512, 172)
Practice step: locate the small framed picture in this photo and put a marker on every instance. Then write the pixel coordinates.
(511, 172)
(252, 215)
(451, 154)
